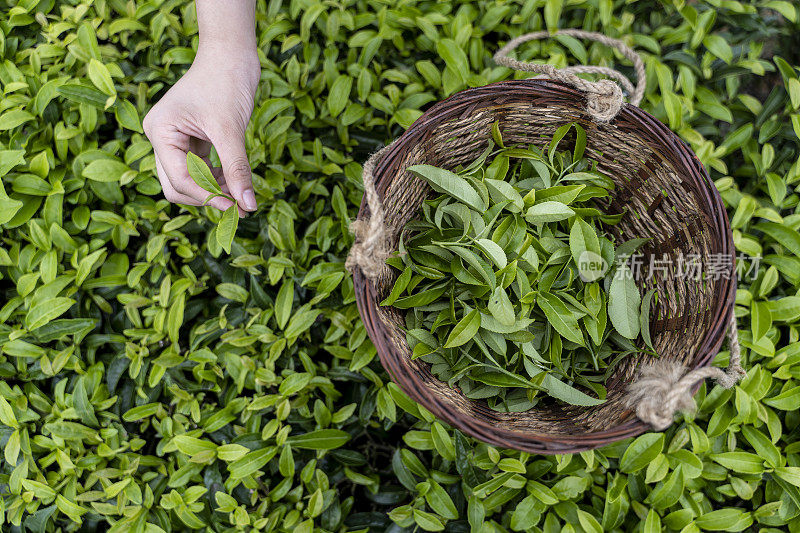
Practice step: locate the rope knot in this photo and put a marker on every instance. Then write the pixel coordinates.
(604, 101)
(661, 388)
(370, 250)
(371, 247)
(653, 394)
(604, 97)
(731, 378)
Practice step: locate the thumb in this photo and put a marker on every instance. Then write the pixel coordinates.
(235, 166)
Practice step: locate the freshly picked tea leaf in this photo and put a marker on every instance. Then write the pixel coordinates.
(464, 330)
(444, 181)
(549, 211)
(623, 303)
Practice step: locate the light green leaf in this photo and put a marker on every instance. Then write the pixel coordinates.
(464, 330)
(339, 94)
(46, 311)
(100, 77)
(566, 393)
(623, 303)
(447, 182)
(321, 439)
(226, 229)
(454, 57)
(201, 174)
(493, 251)
(560, 317)
(548, 212)
(641, 452)
(501, 307)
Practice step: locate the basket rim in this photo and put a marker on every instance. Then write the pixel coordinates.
(705, 192)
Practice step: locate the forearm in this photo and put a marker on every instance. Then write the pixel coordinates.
(227, 26)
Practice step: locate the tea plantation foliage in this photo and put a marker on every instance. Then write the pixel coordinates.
(152, 382)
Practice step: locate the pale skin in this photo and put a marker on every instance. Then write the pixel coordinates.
(210, 105)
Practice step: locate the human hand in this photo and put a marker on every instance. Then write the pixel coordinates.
(210, 105)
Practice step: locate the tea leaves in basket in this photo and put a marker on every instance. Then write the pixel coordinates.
(503, 277)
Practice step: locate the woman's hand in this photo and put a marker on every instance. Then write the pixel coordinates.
(210, 105)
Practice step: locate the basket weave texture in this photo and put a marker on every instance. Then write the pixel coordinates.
(667, 197)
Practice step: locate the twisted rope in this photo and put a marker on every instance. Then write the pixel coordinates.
(371, 247)
(661, 388)
(604, 97)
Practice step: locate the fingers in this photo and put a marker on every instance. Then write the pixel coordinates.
(170, 147)
(169, 191)
(220, 177)
(229, 142)
(200, 147)
(174, 164)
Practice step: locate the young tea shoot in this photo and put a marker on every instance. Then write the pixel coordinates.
(202, 176)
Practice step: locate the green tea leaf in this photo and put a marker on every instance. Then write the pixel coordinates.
(105, 170)
(283, 303)
(561, 391)
(399, 287)
(501, 307)
(201, 174)
(493, 252)
(100, 77)
(46, 311)
(322, 439)
(444, 181)
(786, 237)
(548, 212)
(560, 317)
(226, 230)
(585, 248)
(641, 452)
(7, 416)
(251, 462)
(340, 94)
(644, 318)
(623, 303)
(454, 57)
(741, 462)
(464, 330)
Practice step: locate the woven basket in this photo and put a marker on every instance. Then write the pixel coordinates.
(667, 196)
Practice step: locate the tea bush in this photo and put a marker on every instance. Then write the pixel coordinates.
(152, 382)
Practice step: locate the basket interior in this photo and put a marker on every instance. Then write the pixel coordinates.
(663, 203)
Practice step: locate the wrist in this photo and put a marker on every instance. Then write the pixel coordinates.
(228, 56)
(228, 37)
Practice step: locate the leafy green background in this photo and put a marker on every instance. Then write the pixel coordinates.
(152, 382)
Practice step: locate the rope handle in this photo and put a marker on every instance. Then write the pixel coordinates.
(661, 388)
(371, 247)
(604, 96)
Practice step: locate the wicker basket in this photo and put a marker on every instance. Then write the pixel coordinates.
(668, 197)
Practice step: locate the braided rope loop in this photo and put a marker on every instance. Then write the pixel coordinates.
(664, 387)
(604, 97)
(371, 247)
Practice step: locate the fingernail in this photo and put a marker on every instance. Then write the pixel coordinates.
(249, 200)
